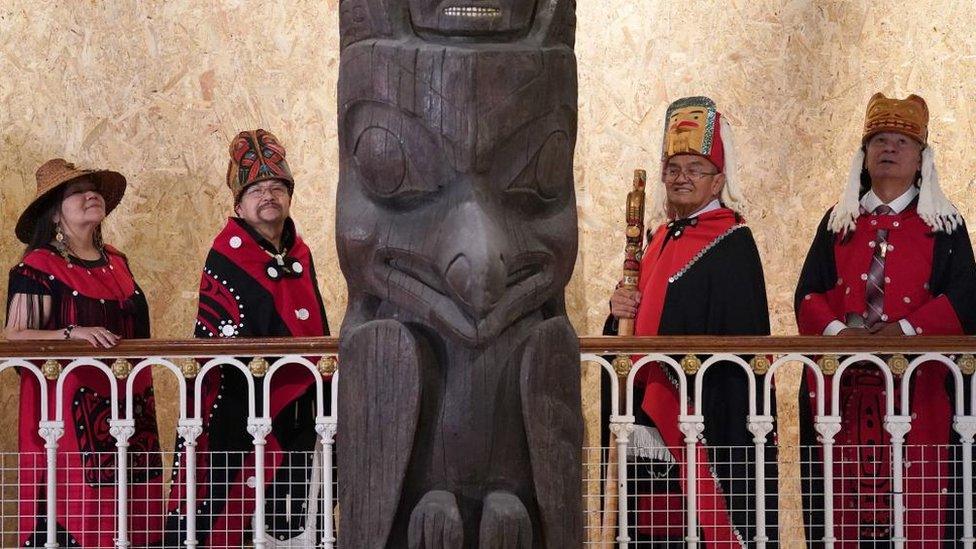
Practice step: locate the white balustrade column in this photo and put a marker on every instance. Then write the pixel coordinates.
(122, 430)
(898, 426)
(760, 426)
(327, 431)
(828, 427)
(692, 426)
(51, 431)
(622, 427)
(259, 429)
(189, 430)
(966, 427)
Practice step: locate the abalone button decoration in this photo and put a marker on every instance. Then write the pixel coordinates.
(302, 314)
(272, 273)
(297, 268)
(235, 242)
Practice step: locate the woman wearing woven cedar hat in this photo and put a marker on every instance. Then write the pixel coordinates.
(69, 285)
(893, 257)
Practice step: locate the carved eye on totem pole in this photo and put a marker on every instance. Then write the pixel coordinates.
(399, 160)
(501, 18)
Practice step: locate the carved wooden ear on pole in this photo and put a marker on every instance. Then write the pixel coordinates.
(457, 234)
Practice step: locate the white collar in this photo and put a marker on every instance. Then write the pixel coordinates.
(870, 201)
(713, 205)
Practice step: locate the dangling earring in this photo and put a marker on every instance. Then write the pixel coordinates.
(59, 242)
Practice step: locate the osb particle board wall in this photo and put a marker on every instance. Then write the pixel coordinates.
(156, 90)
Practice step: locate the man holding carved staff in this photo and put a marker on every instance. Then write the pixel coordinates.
(700, 274)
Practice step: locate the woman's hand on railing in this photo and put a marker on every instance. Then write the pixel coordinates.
(96, 335)
(623, 303)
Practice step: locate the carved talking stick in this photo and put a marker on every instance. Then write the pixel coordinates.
(635, 244)
(625, 327)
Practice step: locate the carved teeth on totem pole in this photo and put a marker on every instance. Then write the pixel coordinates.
(471, 11)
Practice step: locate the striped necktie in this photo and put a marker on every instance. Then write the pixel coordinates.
(874, 292)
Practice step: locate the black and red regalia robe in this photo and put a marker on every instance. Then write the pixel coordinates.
(930, 281)
(246, 291)
(699, 276)
(86, 293)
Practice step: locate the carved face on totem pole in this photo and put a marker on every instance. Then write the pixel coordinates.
(457, 234)
(456, 198)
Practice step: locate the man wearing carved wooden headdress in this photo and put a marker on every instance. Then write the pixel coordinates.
(701, 274)
(258, 281)
(892, 257)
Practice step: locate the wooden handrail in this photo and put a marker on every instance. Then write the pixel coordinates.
(779, 344)
(588, 344)
(172, 348)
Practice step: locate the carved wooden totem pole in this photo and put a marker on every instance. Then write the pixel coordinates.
(459, 386)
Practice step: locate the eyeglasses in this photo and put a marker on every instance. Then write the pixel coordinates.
(672, 173)
(276, 190)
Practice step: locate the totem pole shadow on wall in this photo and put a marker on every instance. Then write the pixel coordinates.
(459, 405)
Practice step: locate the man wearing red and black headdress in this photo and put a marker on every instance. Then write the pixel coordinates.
(258, 281)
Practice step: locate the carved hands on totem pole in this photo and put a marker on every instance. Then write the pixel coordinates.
(456, 228)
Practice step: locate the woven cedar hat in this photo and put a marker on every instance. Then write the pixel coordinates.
(909, 117)
(256, 156)
(52, 176)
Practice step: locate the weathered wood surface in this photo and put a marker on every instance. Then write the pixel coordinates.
(456, 229)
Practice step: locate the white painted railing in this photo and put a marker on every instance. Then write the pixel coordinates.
(53, 365)
(826, 359)
(688, 361)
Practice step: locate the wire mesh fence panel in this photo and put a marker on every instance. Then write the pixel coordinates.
(17, 517)
(294, 510)
(86, 507)
(727, 512)
(656, 497)
(726, 505)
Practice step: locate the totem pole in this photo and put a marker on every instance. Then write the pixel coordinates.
(459, 387)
